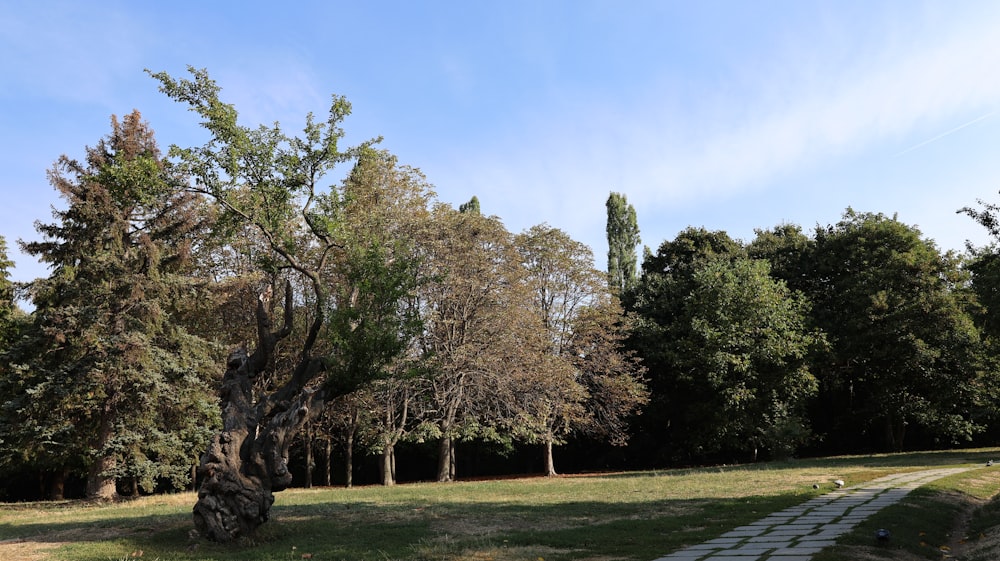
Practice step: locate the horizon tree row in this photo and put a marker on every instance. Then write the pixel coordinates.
(425, 321)
(859, 338)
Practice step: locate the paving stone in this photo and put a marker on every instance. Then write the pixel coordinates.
(745, 532)
(819, 542)
(711, 546)
(769, 539)
(796, 551)
(725, 540)
(684, 554)
(829, 534)
(771, 521)
(748, 550)
(792, 532)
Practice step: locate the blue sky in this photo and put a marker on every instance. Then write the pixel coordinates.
(723, 114)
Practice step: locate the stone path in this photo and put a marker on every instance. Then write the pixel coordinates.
(796, 533)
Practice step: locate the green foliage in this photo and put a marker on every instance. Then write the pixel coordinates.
(754, 342)
(8, 308)
(102, 378)
(623, 237)
(904, 349)
(726, 346)
(369, 327)
(471, 206)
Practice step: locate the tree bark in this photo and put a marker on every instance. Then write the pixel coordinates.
(310, 464)
(444, 460)
(327, 462)
(895, 431)
(100, 485)
(57, 485)
(392, 464)
(387, 468)
(452, 475)
(248, 460)
(550, 463)
(349, 458)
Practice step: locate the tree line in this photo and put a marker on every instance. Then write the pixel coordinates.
(213, 312)
(861, 336)
(209, 311)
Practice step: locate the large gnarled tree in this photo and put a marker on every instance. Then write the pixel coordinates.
(268, 180)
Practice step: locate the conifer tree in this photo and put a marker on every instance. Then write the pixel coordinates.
(111, 385)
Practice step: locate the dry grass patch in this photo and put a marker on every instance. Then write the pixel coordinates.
(23, 550)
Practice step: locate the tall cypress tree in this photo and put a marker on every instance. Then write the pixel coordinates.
(111, 383)
(623, 237)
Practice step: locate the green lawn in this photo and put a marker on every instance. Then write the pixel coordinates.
(638, 516)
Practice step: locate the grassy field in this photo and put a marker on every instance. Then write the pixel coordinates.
(628, 516)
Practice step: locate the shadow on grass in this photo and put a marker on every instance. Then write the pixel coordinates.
(417, 531)
(433, 524)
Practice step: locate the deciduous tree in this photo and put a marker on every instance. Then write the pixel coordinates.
(480, 331)
(623, 237)
(586, 385)
(903, 346)
(271, 182)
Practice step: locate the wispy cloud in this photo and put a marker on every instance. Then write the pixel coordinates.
(855, 108)
(665, 151)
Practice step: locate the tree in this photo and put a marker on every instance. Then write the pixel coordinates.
(586, 378)
(480, 331)
(724, 345)
(11, 315)
(903, 346)
(387, 204)
(789, 252)
(8, 307)
(623, 237)
(613, 376)
(471, 206)
(984, 266)
(109, 381)
(270, 182)
(752, 344)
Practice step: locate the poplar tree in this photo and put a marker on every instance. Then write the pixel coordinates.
(623, 237)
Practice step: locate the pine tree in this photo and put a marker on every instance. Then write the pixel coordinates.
(7, 306)
(111, 383)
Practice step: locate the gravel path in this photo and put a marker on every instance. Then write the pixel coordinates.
(796, 533)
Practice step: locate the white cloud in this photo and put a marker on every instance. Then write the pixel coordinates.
(853, 109)
(666, 151)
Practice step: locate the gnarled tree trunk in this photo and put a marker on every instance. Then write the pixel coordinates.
(248, 461)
